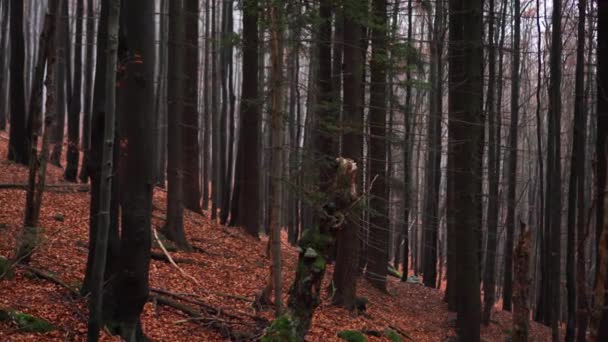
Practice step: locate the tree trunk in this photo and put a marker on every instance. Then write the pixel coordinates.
(130, 289)
(207, 115)
(512, 172)
(176, 84)
(465, 129)
(379, 223)
(601, 139)
(245, 205)
(346, 269)
(521, 310)
(73, 153)
(4, 71)
(37, 167)
(18, 149)
(190, 145)
(103, 224)
(62, 74)
(88, 91)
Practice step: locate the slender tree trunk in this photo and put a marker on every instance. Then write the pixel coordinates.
(18, 149)
(174, 229)
(512, 172)
(63, 31)
(4, 71)
(190, 145)
(489, 280)
(88, 90)
(37, 166)
(103, 225)
(207, 115)
(215, 116)
(521, 309)
(601, 139)
(73, 153)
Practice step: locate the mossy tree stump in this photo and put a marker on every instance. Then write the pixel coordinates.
(305, 292)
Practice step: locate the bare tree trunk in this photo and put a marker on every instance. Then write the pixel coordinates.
(521, 309)
(37, 166)
(73, 152)
(96, 323)
(62, 74)
(88, 91)
(4, 71)
(174, 229)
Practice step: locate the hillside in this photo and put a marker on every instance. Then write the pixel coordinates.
(229, 268)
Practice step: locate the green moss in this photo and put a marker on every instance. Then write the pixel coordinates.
(352, 336)
(281, 330)
(319, 264)
(392, 335)
(5, 268)
(25, 322)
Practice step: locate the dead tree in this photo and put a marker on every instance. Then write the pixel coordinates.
(305, 292)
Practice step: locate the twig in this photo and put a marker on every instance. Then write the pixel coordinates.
(182, 272)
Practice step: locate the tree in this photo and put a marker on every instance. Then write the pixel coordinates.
(88, 91)
(508, 276)
(379, 224)
(245, 205)
(131, 286)
(600, 147)
(62, 75)
(73, 153)
(18, 149)
(190, 145)
(576, 198)
(553, 195)
(4, 72)
(346, 269)
(174, 229)
(433, 166)
(104, 180)
(37, 166)
(465, 132)
(489, 278)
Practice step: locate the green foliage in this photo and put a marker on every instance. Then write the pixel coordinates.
(6, 269)
(25, 322)
(392, 335)
(352, 336)
(281, 330)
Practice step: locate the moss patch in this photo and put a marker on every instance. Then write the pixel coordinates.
(25, 322)
(352, 336)
(392, 335)
(281, 330)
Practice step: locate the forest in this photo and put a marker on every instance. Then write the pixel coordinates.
(304, 170)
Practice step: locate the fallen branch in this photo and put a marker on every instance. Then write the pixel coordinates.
(50, 187)
(181, 271)
(162, 257)
(402, 332)
(220, 325)
(48, 276)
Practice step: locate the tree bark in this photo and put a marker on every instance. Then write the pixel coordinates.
(347, 255)
(18, 148)
(176, 99)
(88, 91)
(245, 205)
(521, 310)
(379, 223)
(63, 31)
(73, 152)
(465, 131)
(4, 71)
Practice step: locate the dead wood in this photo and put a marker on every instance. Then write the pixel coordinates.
(50, 187)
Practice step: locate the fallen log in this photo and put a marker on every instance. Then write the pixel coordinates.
(50, 187)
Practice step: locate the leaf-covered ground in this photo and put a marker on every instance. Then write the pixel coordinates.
(229, 267)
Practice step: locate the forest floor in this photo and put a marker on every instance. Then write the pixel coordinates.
(229, 269)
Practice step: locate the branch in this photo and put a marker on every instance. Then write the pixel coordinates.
(182, 272)
(50, 187)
